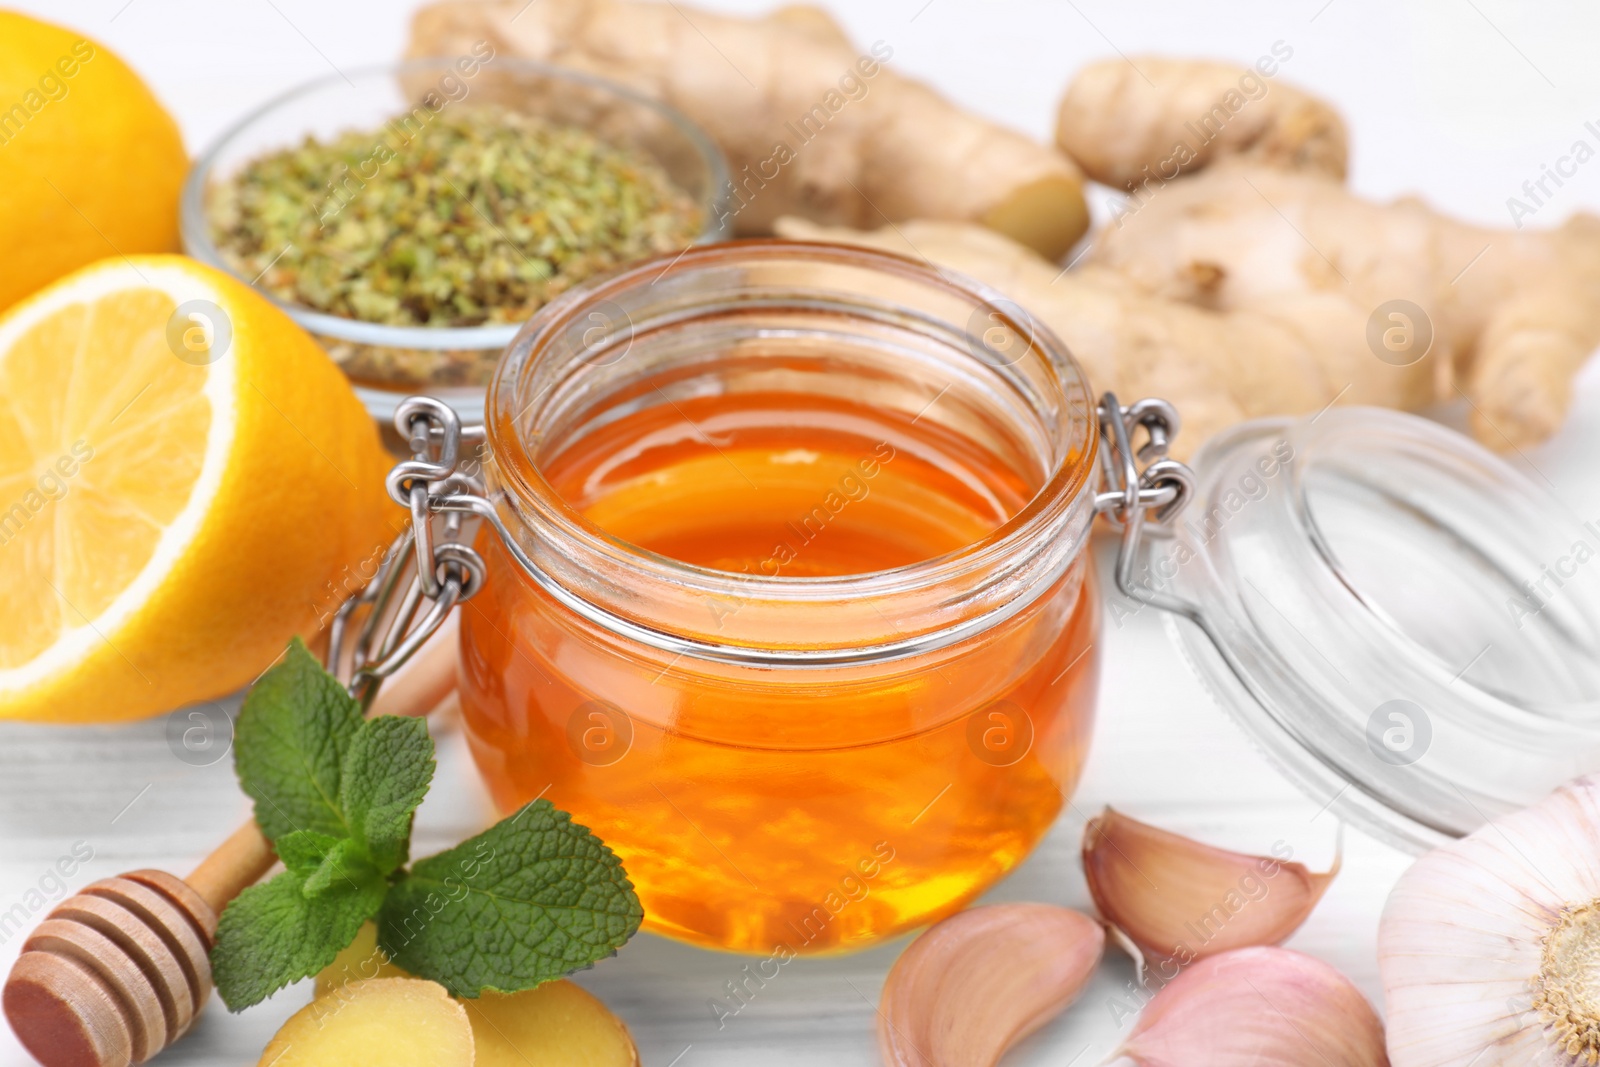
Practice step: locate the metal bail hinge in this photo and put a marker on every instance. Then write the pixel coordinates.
(1132, 496)
(428, 569)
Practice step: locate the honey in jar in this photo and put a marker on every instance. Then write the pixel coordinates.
(793, 608)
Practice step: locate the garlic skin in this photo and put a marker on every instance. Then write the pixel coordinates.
(1489, 947)
(975, 984)
(1182, 900)
(1266, 1007)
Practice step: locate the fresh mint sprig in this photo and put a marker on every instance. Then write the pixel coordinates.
(530, 899)
(535, 896)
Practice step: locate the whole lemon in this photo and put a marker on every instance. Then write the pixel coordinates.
(90, 162)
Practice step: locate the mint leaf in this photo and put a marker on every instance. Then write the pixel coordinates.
(326, 862)
(304, 850)
(344, 865)
(384, 777)
(291, 739)
(274, 934)
(532, 898)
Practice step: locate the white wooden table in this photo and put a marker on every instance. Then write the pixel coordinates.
(1486, 92)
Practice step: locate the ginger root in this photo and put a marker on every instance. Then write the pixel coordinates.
(397, 1022)
(1130, 123)
(359, 960)
(1218, 369)
(558, 1024)
(1398, 304)
(810, 124)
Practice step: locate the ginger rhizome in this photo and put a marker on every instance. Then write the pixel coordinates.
(1189, 112)
(1241, 278)
(1251, 282)
(811, 124)
(1218, 369)
(1396, 303)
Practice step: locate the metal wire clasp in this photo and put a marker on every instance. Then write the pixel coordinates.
(430, 567)
(1131, 497)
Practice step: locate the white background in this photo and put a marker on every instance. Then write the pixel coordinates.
(1460, 101)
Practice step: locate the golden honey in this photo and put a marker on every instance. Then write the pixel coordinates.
(761, 801)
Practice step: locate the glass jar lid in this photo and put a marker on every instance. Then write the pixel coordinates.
(1405, 623)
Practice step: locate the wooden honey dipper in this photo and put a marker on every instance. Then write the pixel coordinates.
(120, 971)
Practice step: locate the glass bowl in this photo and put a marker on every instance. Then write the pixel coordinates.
(388, 363)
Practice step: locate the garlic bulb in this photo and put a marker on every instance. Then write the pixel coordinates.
(1489, 947)
(1266, 1007)
(973, 985)
(1181, 900)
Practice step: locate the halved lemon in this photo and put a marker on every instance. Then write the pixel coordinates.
(186, 481)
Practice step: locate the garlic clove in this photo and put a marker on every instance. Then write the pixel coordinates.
(1488, 945)
(1182, 900)
(1266, 1007)
(973, 985)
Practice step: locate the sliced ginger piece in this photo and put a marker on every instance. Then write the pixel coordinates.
(360, 960)
(395, 1022)
(559, 1024)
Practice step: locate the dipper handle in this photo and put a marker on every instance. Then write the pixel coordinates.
(238, 863)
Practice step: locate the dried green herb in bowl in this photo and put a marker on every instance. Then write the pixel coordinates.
(480, 216)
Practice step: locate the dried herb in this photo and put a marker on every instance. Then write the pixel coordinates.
(479, 216)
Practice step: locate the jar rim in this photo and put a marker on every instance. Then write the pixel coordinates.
(1069, 481)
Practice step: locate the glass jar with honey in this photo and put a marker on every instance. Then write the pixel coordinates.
(789, 595)
(783, 587)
